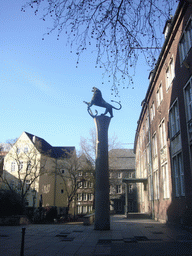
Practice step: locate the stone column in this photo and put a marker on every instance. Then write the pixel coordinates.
(126, 200)
(102, 217)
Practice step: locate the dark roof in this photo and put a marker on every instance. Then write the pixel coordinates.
(122, 159)
(45, 148)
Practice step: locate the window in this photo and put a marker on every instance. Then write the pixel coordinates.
(90, 184)
(159, 95)
(79, 197)
(188, 99)
(170, 73)
(80, 174)
(62, 171)
(61, 191)
(174, 119)
(156, 184)
(84, 197)
(162, 134)
(90, 208)
(84, 208)
(119, 175)
(154, 145)
(81, 184)
(165, 181)
(186, 41)
(147, 123)
(25, 149)
(152, 111)
(79, 209)
(130, 188)
(12, 166)
(85, 184)
(130, 174)
(119, 189)
(20, 166)
(179, 175)
(90, 197)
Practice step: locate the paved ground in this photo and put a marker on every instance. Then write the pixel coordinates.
(126, 237)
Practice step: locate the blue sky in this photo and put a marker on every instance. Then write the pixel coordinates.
(42, 91)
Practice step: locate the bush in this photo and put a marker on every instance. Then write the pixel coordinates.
(10, 203)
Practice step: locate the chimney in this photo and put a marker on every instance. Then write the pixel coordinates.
(167, 26)
(34, 139)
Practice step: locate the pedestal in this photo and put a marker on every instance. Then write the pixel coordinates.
(102, 216)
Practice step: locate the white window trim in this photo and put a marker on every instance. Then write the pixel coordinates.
(156, 184)
(182, 55)
(170, 73)
(179, 176)
(159, 94)
(84, 195)
(177, 119)
(162, 137)
(119, 189)
(189, 83)
(165, 172)
(79, 197)
(154, 141)
(152, 111)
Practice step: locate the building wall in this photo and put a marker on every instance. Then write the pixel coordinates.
(118, 190)
(161, 199)
(16, 155)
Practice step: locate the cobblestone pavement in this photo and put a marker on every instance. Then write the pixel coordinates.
(126, 237)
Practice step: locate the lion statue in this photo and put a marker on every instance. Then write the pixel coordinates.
(98, 100)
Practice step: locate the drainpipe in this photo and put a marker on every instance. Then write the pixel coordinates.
(150, 161)
(54, 199)
(126, 200)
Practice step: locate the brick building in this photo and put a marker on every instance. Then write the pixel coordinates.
(163, 140)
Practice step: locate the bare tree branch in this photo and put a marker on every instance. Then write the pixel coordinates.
(118, 30)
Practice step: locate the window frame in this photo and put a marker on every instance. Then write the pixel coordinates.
(162, 133)
(165, 176)
(186, 45)
(177, 161)
(13, 166)
(119, 189)
(174, 119)
(170, 73)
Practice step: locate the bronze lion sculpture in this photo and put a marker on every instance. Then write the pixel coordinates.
(98, 100)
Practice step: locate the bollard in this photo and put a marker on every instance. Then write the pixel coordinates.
(22, 242)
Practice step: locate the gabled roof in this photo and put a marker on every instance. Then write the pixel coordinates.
(122, 159)
(45, 148)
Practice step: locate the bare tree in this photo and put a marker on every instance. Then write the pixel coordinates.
(72, 181)
(88, 148)
(118, 30)
(88, 145)
(26, 168)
